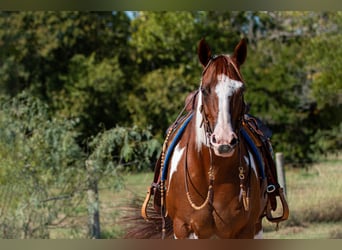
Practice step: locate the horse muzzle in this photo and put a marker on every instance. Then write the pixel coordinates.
(225, 150)
(225, 144)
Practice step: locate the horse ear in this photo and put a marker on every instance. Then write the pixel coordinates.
(204, 52)
(240, 52)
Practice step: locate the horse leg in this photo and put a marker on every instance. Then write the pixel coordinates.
(246, 232)
(251, 231)
(183, 230)
(180, 229)
(258, 230)
(191, 236)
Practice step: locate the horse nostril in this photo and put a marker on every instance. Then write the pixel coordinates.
(213, 139)
(233, 142)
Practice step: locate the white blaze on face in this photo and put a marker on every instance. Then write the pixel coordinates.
(225, 88)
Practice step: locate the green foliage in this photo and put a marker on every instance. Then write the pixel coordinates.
(103, 69)
(41, 168)
(161, 39)
(33, 141)
(40, 51)
(325, 91)
(292, 81)
(162, 97)
(123, 149)
(91, 93)
(275, 92)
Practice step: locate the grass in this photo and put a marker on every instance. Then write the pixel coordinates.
(313, 194)
(113, 203)
(111, 210)
(315, 201)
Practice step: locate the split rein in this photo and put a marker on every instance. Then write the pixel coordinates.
(242, 178)
(209, 197)
(208, 132)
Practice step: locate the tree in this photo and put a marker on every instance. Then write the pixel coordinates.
(324, 77)
(161, 39)
(279, 75)
(40, 52)
(43, 177)
(41, 168)
(279, 72)
(93, 93)
(164, 45)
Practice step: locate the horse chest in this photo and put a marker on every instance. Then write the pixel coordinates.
(226, 215)
(198, 212)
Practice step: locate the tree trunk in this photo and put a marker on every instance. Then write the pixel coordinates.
(93, 202)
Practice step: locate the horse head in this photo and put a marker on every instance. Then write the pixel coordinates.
(220, 105)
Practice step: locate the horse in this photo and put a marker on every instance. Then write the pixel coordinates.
(212, 182)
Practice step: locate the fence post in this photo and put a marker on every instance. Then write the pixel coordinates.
(93, 202)
(280, 170)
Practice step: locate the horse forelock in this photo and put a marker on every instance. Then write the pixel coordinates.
(222, 64)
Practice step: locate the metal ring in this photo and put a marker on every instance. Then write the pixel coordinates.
(241, 176)
(270, 188)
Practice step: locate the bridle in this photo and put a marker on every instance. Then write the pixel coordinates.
(208, 132)
(205, 121)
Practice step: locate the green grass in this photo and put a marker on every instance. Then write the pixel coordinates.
(112, 204)
(313, 194)
(314, 197)
(315, 201)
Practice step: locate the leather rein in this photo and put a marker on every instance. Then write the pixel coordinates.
(208, 131)
(244, 182)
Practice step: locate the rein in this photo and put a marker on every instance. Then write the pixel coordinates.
(246, 149)
(208, 131)
(210, 193)
(167, 151)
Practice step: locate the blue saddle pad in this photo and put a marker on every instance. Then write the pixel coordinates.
(179, 133)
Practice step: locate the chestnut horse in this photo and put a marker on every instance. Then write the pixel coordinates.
(214, 187)
(212, 182)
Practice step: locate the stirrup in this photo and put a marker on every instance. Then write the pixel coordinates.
(285, 214)
(144, 206)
